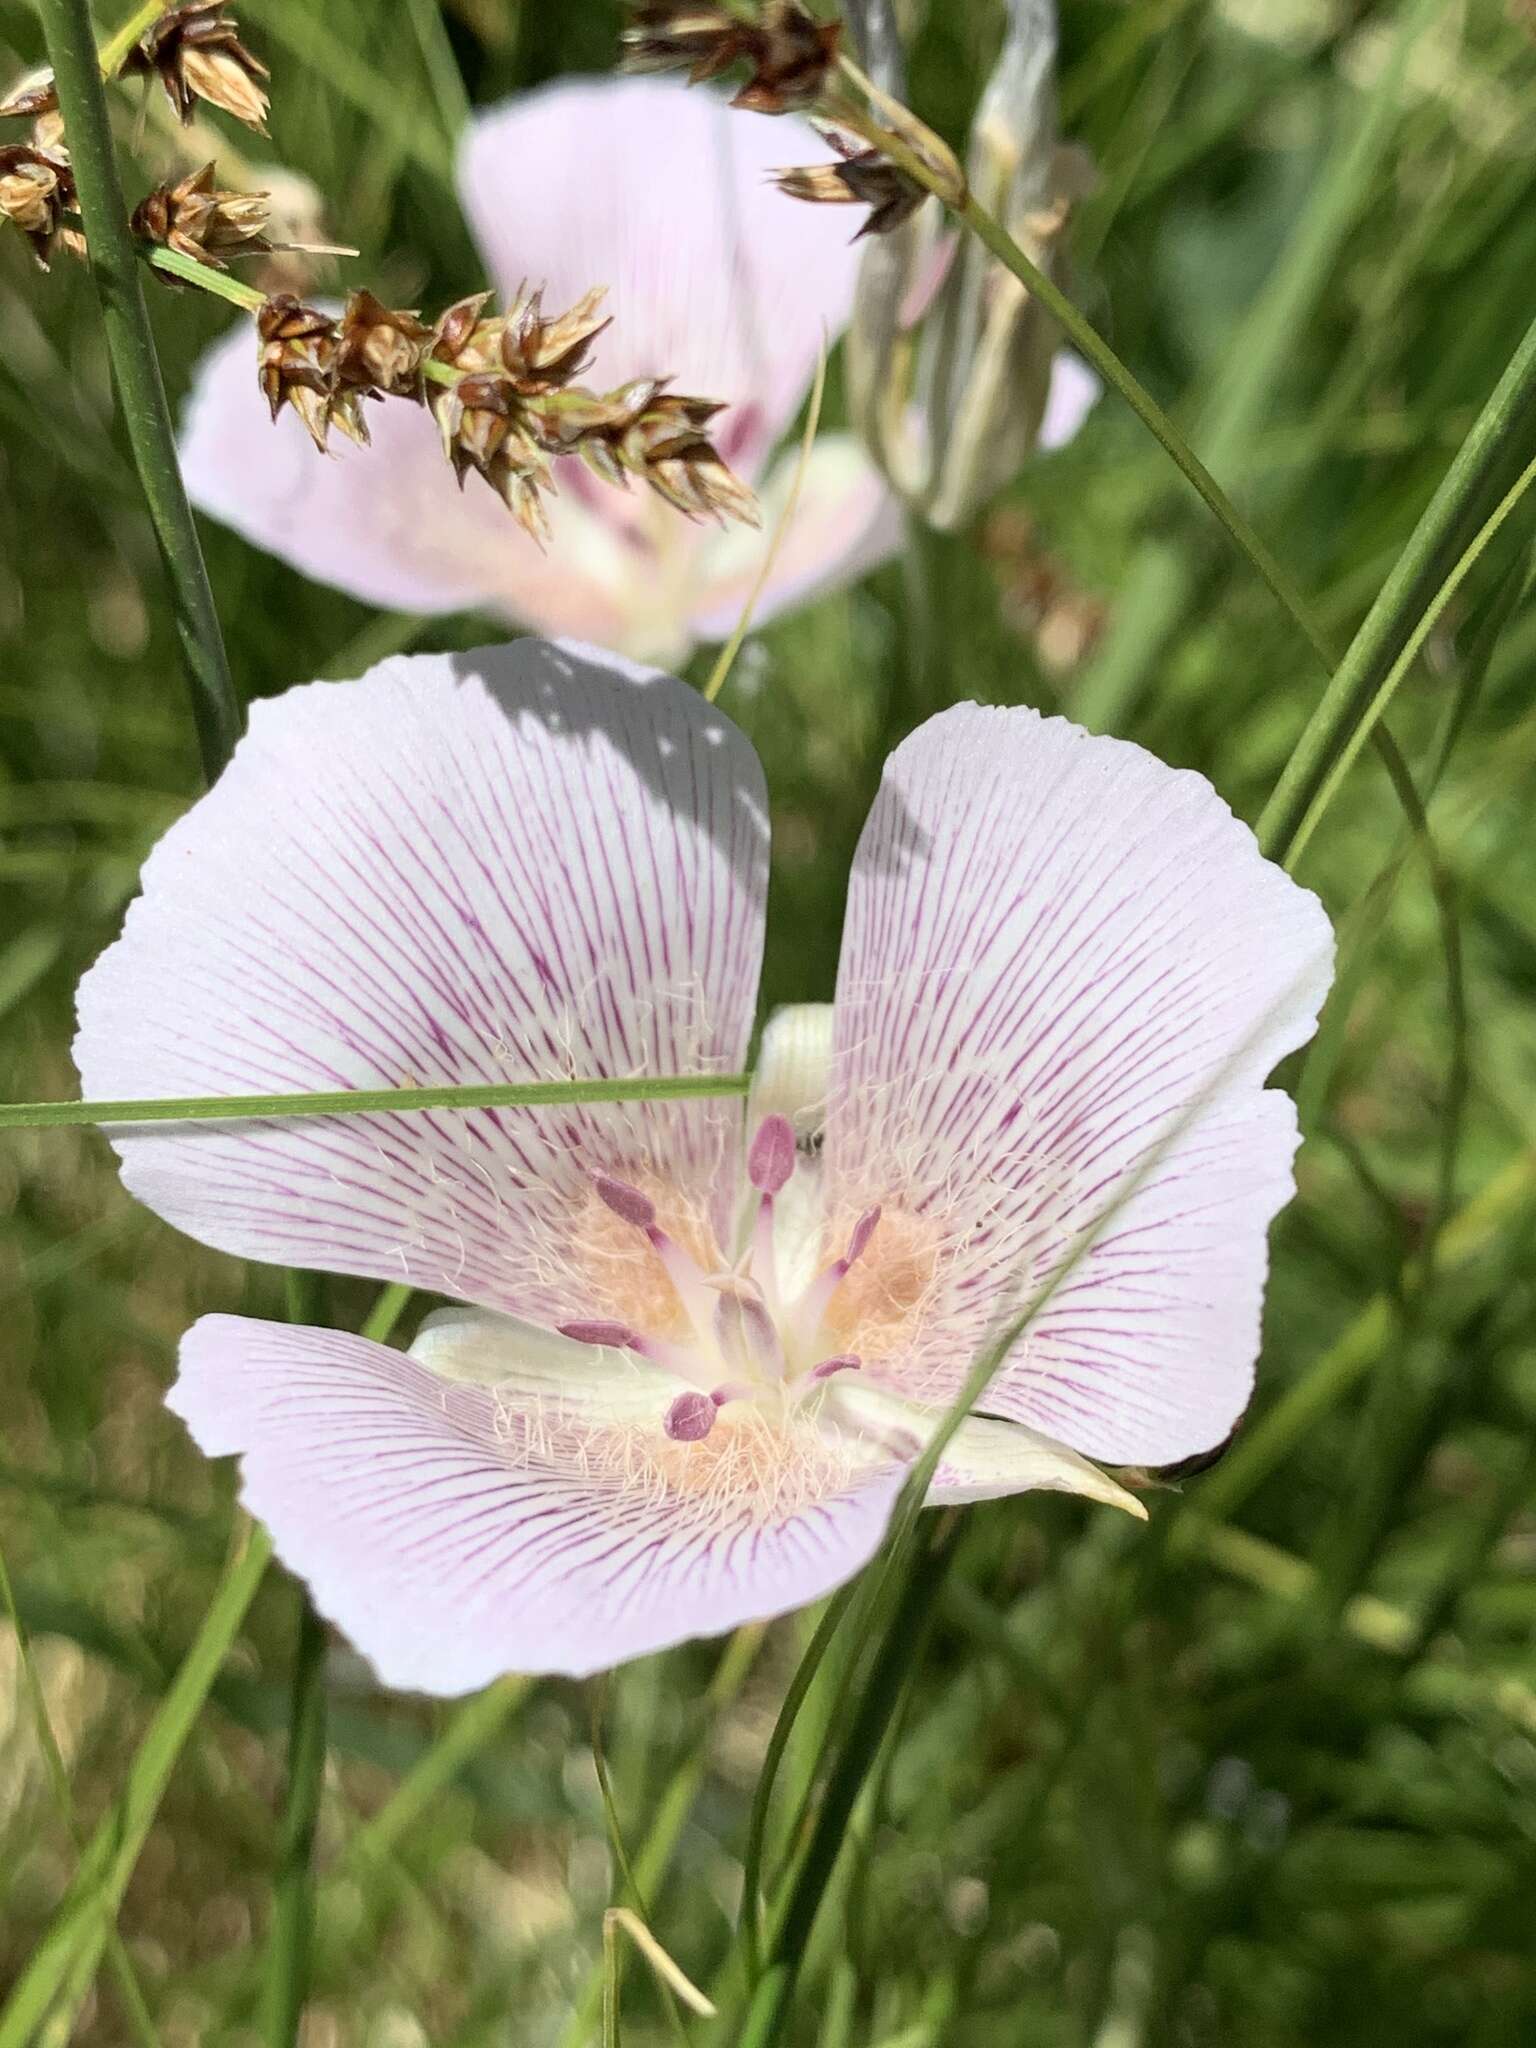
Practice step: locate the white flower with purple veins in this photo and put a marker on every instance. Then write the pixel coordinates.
(695, 1356)
(714, 279)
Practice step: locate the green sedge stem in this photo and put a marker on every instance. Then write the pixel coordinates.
(118, 1959)
(136, 373)
(110, 57)
(39, 1116)
(293, 1887)
(877, 1703)
(1086, 340)
(1374, 708)
(220, 285)
(1502, 428)
(762, 1794)
(82, 1924)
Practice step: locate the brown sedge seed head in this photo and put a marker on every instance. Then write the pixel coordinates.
(863, 178)
(36, 188)
(198, 220)
(380, 349)
(194, 49)
(790, 53)
(297, 367)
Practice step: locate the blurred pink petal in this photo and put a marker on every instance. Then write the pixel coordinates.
(1054, 945)
(845, 524)
(661, 191)
(458, 1531)
(531, 862)
(1074, 391)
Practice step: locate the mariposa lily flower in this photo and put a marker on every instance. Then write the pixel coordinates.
(714, 279)
(692, 1357)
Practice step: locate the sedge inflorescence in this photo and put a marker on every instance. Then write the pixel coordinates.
(501, 385)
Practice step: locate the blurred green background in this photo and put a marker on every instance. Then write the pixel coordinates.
(1264, 1774)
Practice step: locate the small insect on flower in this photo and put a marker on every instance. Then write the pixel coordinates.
(694, 1353)
(194, 49)
(37, 188)
(198, 220)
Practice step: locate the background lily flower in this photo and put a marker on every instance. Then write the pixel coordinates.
(695, 1358)
(714, 279)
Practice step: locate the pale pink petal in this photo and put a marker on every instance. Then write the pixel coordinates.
(1056, 948)
(455, 1532)
(662, 193)
(389, 524)
(529, 862)
(1073, 392)
(983, 1460)
(845, 523)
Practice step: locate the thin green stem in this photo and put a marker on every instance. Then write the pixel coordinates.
(1372, 710)
(110, 56)
(118, 1959)
(613, 1960)
(41, 1116)
(443, 74)
(866, 1730)
(291, 1939)
(672, 1810)
(1496, 442)
(1086, 340)
(767, 1777)
(470, 1728)
(80, 1927)
(136, 372)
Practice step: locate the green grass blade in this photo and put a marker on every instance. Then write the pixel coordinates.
(52, 1116)
(136, 370)
(81, 1926)
(291, 1940)
(1501, 432)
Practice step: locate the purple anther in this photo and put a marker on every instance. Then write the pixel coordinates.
(845, 1363)
(619, 1335)
(690, 1418)
(863, 1231)
(627, 1203)
(771, 1157)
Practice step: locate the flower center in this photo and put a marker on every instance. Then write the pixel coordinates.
(741, 1334)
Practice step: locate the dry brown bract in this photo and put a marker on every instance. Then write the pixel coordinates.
(539, 355)
(379, 349)
(36, 189)
(791, 53)
(297, 367)
(197, 220)
(34, 94)
(512, 406)
(863, 178)
(195, 50)
(658, 436)
(487, 427)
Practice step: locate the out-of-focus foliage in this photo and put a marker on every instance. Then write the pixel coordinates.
(1266, 1773)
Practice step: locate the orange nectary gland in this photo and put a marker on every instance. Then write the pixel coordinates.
(626, 1278)
(882, 1298)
